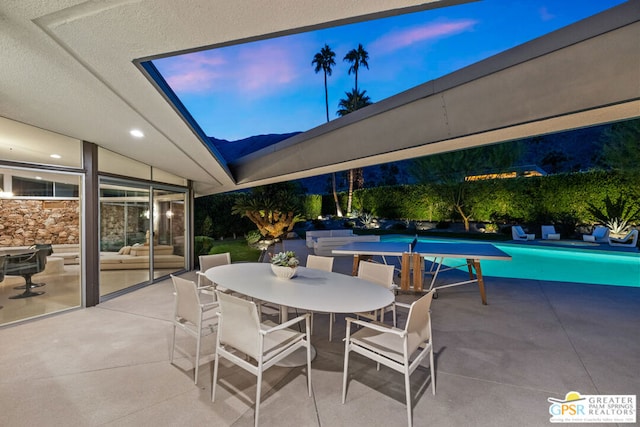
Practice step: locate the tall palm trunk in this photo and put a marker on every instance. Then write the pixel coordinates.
(333, 175)
(350, 193)
(326, 96)
(335, 195)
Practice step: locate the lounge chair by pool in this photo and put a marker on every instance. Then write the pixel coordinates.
(518, 233)
(630, 240)
(599, 234)
(549, 233)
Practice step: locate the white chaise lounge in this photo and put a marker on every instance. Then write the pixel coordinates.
(518, 234)
(325, 245)
(549, 233)
(630, 240)
(312, 235)
(599, 234)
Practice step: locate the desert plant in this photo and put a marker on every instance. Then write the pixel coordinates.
(273, 209)
(615, 214)
(253, 237)
(617, 225)
(367, 220)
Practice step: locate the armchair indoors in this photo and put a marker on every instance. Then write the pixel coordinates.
(189, 315)
(518, 234)
(393, 347)
(26, 264)
(630, 240)
(263, 344)
(600, 234)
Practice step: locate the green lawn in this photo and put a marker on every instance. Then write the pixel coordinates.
(238, 248)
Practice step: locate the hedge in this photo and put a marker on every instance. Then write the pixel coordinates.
(562, 197)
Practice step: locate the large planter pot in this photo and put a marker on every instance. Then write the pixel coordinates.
(284, 273)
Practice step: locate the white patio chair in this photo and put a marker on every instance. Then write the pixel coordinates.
(210, 261)
(518, 234)
(324, 263)
(600, 234)
(394, 347)
(381, 274)
(549, 233)
(189, 315)
(240, 330)
(630, 240)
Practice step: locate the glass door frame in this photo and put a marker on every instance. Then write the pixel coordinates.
(151, 188)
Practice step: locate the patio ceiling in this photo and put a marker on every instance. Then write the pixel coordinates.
(68, 67)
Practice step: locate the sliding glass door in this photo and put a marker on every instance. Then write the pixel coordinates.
(142, 233)
(169, 232)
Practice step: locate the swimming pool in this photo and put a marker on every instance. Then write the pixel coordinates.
(555, 263)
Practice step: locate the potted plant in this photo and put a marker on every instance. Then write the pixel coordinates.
(284, 264)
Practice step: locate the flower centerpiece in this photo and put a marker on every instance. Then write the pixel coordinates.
(284, 264)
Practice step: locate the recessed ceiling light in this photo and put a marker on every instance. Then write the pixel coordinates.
(137, 133)
(55, 156)
(38, 177)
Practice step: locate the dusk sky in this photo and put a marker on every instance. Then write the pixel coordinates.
(270, 86)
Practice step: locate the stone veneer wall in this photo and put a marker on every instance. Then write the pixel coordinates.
(27, 222)
(112, 225)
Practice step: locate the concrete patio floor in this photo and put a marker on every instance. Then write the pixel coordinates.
(496, 365)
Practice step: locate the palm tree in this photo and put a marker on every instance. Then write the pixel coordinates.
(357, 57)
(324, 60)
(354, 101)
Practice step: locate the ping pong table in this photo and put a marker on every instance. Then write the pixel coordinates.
(412, 256)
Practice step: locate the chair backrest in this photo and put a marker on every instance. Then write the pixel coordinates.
(318, 262)
(381, 274)
(548, 229)
(418, 324)
(187, 304)
(517, 231)
(209, 261)
(600, 232)
(631, 237)
(239, 324)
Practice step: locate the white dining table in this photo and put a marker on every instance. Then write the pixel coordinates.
(309, 289)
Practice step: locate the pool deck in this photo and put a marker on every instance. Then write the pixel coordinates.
(573, 244)
(496, 365)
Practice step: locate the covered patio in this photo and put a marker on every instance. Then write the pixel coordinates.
(496, 365)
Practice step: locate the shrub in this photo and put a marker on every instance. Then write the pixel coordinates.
(312, 206)
(253, 237)
(202, 245)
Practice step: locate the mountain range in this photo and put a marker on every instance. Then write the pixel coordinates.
(554, 153)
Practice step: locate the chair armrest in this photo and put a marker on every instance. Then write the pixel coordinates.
(376, 326)
(208, 306)
(200, 275)
(285, 325)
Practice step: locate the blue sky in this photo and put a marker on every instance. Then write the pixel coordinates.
(270, 86)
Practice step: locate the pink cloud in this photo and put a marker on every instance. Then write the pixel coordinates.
(194, 73)
(406, 37)
(265, 68)
(254, 70)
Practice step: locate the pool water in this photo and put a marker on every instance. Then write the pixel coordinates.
(562, 264)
